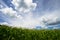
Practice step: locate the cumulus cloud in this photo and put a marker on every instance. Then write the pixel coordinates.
(9, 11)
(24, 6)
(4, 23)
(52, 18)
(22, 15)
(17, 16)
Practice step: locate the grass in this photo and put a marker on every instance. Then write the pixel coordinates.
(9, 33)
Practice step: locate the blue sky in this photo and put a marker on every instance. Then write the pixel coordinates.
(30, 14)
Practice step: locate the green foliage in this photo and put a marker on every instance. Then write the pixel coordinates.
(9, 33)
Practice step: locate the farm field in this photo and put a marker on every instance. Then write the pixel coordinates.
(9, 33)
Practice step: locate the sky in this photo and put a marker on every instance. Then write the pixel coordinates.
(31, 14)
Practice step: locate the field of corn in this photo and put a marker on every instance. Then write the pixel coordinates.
(9, 33)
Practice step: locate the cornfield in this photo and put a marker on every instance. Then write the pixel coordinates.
(9, 33)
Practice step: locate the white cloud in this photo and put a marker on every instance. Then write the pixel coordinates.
(24, 6)
(9, 11)
(50, 18)
(21, 7)
(4, 23)
(21, 19)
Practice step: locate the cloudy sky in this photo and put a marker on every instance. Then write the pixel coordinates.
(30, 13)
